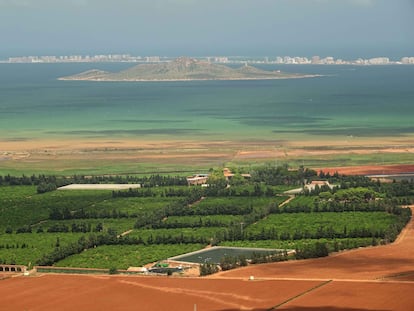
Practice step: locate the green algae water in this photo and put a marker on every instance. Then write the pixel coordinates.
(347, 101)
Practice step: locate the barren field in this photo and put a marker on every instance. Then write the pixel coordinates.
(369, 169)
(4, 275)
(68, 292)
(351, 296)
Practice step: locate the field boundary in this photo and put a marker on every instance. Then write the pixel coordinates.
(72, 270)
(300, 295)
(100, 187)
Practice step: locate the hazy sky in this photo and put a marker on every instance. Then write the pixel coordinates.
(340, 28)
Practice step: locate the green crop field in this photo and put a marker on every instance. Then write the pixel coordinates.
(204, 232)
(130, 206)
(207, 221)
(120, 225)
(312, 223)
(124, 256)
(28, 248)
(105, 229)
(333, 244)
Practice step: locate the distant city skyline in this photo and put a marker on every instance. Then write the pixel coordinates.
(128, 58)
(345, 29)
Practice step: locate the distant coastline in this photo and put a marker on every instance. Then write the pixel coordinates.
(278, 60)
(304, 76)
(184, 69)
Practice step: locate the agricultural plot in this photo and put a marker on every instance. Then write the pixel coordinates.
(124, 256)
(308, 201)
(28, 248)
(154, 235)
(119, 225)
(316, 225)
(19, 206)
(22, 206)
(234, 205)
(332, 244)
(57, 226)
(130, 207)
(203, 221)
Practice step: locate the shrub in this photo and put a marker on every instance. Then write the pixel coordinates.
(113, 270)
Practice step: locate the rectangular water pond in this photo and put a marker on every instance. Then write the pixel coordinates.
(216, 253)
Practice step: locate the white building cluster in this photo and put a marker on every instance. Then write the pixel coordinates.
(289, 60)
(75, 58)
(407, 60)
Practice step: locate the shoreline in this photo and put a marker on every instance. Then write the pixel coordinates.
(161, 155)
(190, 79)
(321, 143)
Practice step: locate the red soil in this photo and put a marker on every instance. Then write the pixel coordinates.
(356, 296)
(369, 169)
(71, 292)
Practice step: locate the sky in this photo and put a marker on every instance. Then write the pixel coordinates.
(340, 28)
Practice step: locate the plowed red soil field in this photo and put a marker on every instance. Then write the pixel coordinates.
(369, 169)
(349, 296)
(71, 292)
(376, 278)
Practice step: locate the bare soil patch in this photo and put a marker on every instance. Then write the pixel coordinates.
(144, 293)
(70, 153)
(356, 296)
(369, 169)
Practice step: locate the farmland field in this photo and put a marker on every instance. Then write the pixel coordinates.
(28, 248)
(124, 256)
(311, 223)
(101, 229)
(86, 228)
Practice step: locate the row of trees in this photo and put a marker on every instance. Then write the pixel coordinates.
(59, 227)
(60, 252)
(312, 250)
(66, 214)
(147, 181)
(281, 175)
(232, 262)
(321, 232)
(253, 190)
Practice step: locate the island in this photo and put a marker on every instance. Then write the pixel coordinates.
(184, 69)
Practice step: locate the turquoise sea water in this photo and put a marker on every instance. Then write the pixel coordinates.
(372, 101)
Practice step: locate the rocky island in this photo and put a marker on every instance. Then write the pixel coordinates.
(182, 69)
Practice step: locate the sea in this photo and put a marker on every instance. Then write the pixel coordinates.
(345, 101)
